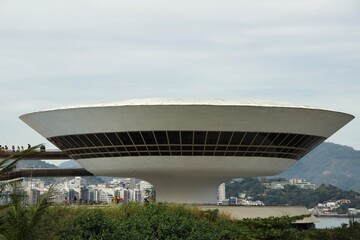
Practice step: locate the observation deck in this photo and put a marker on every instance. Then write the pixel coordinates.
(50, 154)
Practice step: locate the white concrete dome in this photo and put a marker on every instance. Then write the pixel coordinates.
(186, 147)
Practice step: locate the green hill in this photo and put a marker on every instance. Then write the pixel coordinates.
(70, 164)
(34, 164)
(329, 163)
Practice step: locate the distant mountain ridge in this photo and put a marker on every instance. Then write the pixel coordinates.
(34, 164)
(43, 164)
(329, 163)
(70, 164)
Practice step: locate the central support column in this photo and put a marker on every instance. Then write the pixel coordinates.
(186, 189)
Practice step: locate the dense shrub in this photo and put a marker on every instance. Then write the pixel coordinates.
(168, 221)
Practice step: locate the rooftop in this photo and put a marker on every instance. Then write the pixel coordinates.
(188, 101)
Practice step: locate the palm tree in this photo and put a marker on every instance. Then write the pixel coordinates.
(16, 220)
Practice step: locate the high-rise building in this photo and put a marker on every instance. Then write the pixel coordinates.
(136, 195)
(84, 194)
(126, 194)
(73, 196)
(35, 195)
(94, 196)
(221, 192)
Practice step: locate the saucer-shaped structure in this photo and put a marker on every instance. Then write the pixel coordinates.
(186, 148)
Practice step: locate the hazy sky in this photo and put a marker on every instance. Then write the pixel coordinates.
(58, 53)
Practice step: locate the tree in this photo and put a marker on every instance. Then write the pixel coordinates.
(16, 220)
(19, 222)
(150, 194)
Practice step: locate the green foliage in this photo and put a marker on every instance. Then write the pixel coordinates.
(89, 225)
(133, 221)
(342, 233)
(251, 186)
(17, 221)
(170, 221)
(291, 195)
(34, 164)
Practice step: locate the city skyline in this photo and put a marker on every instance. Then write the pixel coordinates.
(60, 54)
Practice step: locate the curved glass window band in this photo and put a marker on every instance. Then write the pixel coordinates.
(186, 143)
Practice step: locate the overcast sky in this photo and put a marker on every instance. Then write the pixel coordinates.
(59, 53)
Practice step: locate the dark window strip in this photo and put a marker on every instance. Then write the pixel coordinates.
(187, 143)
(213, 146)
(77, 153)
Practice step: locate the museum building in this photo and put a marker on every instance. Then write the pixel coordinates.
(186, 147)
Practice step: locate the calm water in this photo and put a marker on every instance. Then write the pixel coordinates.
(330, 222)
